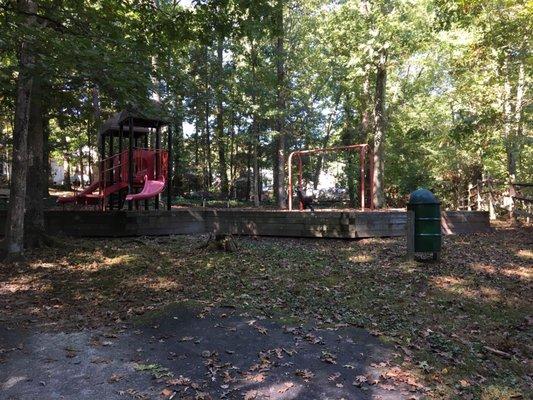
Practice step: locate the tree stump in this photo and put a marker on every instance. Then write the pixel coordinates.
(223, 242)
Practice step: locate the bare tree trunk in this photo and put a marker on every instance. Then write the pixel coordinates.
(14, 237)
(348, 138)
(280, 103)
(232, 153)
(67, 182)
(248, 168)
(519, 103)
(95, 92)
(255, 192)
(380, 130)
(35, 182)
(46, 156)
(197, 131)
(255, 132)
(510, 145)
(366, 112)
(220, 121)
(320, 160)
(207, 140)
(207, 113)
(177, 149)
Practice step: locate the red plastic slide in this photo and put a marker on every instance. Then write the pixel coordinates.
(150, 189)
(78, 196)
(88, 195)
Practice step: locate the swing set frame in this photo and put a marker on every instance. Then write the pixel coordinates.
(363, 149)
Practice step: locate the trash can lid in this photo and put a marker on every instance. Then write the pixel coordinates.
(422, 196)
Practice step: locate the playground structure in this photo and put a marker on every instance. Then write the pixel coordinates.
(363, 150)
(134, 169)
(134, 173)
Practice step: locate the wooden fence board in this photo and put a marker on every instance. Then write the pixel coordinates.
(334, 224)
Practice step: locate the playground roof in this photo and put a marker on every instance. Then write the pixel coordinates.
(143, 120)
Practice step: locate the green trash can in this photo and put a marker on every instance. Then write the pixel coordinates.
(427, 229)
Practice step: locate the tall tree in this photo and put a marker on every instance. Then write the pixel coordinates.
(221, 143)
(14, 236)
(36, 180)
(280, 142)
(379, 130)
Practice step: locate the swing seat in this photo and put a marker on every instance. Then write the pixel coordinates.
(307, 201)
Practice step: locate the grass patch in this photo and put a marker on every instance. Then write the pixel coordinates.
(462, 323)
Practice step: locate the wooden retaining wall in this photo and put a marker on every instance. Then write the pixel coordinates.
(326, 224)
(465, 222)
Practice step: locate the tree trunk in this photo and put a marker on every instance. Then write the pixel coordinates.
(220, 121)
(35, 182)
(96, 117)
(248, 171)
(320, 160)
(80, 152)
(509, 138)
(67, 181)
(207, 112)
(255, 132)
(519, 103)
(14, 237)
(366, 112)
(207, 142)
(232, 153)
(348, 138)
(380, 130)
(46, 156)
(280, 103)
(177, 150)
(255, 161)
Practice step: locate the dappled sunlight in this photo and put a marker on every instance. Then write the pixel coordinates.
(462, 287)
(484, 268)
(361, 258)
(517, 272)
(24, 284)
(524, 273)
(12, 381)
(438, 314)
(286, 390)
(525, 254)
(117, 260)
(155, 283)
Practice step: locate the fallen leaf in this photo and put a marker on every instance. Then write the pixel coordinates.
(286, 386)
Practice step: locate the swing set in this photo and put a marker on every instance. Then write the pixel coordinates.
(363, 150)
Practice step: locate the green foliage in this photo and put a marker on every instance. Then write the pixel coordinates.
(445, 80)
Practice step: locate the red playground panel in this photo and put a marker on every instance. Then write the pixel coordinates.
(115, 177)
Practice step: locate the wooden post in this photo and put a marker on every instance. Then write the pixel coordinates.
(169, 169)
(410, 235)
(479, 193)
(120, 137)
(469, 196)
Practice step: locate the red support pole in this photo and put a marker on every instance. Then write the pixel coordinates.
(289, 162)
(300, 179)
(363, 150)
(371, 160)
(362, 177)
